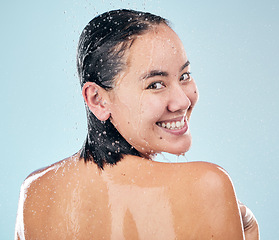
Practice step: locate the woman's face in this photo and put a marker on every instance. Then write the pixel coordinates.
(154, 95)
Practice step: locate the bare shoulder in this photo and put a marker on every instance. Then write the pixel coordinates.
(200, 194)
(211, 176)
(38, 198)
(204, 175)
(213, 202)
(47, 176)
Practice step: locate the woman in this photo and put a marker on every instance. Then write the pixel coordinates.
(139, 95)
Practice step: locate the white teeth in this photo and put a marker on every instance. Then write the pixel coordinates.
(173, 125)
(177, 124)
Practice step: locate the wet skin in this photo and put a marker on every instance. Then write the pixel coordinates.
(155, 87)
(136, 199)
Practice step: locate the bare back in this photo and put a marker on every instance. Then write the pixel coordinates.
(135, 199)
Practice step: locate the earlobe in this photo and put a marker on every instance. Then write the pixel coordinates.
(95, 98)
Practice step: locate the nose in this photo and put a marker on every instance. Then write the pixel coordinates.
(178, 99)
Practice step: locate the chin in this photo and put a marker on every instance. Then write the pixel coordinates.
(179, 148)
(179, 151)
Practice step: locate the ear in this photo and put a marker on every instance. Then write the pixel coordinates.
(96, 99)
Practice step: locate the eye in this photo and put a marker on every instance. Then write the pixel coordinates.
(156, 85)
(185, 77)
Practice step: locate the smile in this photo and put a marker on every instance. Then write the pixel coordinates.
(172, 125)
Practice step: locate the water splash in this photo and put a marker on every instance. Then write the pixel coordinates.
(170, 158)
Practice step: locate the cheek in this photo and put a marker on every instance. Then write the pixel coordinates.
(152, 107)
(132, 113)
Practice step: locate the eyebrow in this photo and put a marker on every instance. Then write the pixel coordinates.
(155, 73)
(184, 66)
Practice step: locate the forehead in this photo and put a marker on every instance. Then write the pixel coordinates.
(157, 48)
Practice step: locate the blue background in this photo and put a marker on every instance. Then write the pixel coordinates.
(233, 49)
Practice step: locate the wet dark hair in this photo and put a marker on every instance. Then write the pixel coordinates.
(102, 45)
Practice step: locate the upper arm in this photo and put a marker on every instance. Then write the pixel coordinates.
(220, 203)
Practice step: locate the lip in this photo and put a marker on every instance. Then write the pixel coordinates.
(175, 131)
